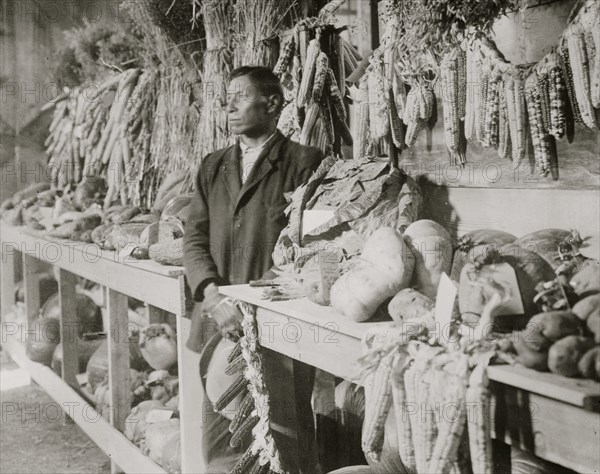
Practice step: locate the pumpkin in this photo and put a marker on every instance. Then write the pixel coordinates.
(476, 246)
(408, 304)
(89, 315)
(550, 243)
(42, 338)
(47, 287)
(386, 267)
(564, 355)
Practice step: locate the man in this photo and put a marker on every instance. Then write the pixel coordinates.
(237, 212)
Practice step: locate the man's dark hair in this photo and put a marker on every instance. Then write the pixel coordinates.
(266, 81)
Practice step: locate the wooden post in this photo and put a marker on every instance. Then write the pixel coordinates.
(9, 255)
(31, 286)
(69, 327)
(118, 361)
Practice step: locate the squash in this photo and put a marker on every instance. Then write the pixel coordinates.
(564, 355)
(589, 364)
(85, 350)
(587, 280)
(409, 304)
(546, 243)
(555, 325)
(476, 246)
(47, 287)
(426, 228)
(385, 267)
(43, 335)
(171, 186)
(177, 208)
(167, 253)
(433, 256)
(157, 436)
(160, 231)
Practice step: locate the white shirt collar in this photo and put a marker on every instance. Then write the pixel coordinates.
(246, 148)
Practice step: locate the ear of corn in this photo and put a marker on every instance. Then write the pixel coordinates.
(361, 124)
(235, 366)
(378, 104)
(378, 398)
(396, 125)
(472, 91)
(242, 412)
(308, 72)
(490, 137)
(516, 107)
(483, 89)
(336, 96)
(504, 147)
(479, 422)
(461, 67)
(538, 134)
(245, 463)
(403, 427)
(285, 56)
(312, 114)
(543, 89)
(556, 92)
(233, 391)
(320, 76)
(567, 73)
(244, 429)
(450, 99)
(581, 81)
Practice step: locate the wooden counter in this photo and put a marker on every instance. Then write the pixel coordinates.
(555, 417)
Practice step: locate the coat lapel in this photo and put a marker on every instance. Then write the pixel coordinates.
(264, 164)
(230, 173)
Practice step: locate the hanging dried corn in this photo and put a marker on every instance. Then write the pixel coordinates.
(473, 92)
(567, 74)
(361, 124)
(515, 104)
(450, 97)
(594, 32)
(556, 93)
(539, 135)
(378, 101)
(483, 74)
(412, 118)
(504, 145)
(580, 69)
(308, 70)
(285, 56)
(490, 136)
(320, 76)
(479, 421)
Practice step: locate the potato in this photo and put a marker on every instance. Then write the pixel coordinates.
(564, 355)
(587, 279)
(528, 357)
(533, 337)
(555, 325)
(587, 306)
(590, 363)
(409, 303)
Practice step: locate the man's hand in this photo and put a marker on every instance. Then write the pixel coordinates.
(226, 315)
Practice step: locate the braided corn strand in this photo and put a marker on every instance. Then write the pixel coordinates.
(556, 91)
(536, 124)
(450, 98)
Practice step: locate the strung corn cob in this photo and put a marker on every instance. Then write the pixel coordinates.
(478, 422)
(492, 112)
(245, 463)
(403, 427)
(327, 122)
(445, 453)
(378, 104)
(288, 123)
(483, 89)
(396, 125)
(504, 148)
(515, 104)
(581, 79)
(320, 76)
(411, 117)
(556, 92)
(378, 403)
(244, 429)
(336, 96)
(399, 93)
(243, 411)
(361, 131)
(567, 74)
(450, 97)
(538, 134)
(312, 114)
(285, 57)
(235, 353)
(426, 100)
(233, 391)
(461, 68)
(411, 379)
(472, 91)
(594, 31)
(235, 366)
(543, 88)
(308, 73)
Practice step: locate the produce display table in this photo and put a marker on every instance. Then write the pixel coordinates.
(161, 287)
(554, 417)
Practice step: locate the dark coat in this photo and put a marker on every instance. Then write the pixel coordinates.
(231, 229)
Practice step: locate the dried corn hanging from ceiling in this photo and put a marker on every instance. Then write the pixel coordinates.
(450, 89)
(578, 59)
(472, 87)
(378, 101)
(539, 135)
(515, 104)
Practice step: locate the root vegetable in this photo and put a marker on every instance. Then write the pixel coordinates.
(555, 325)
(589, 364)
(528, 357)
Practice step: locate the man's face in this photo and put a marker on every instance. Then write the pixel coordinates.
(248, 112)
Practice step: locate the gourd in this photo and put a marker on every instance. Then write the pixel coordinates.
(386, 267)
(432, 248)
(475, 246)
(42, 338)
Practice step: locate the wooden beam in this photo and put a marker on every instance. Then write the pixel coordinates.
(31, 285)
(69, 327)
(8, 258)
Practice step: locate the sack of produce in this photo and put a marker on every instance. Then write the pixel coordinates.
(43, 335)
(158, 345)
(89, 315)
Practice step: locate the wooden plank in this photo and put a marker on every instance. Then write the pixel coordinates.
(142, 281)
(118, 358)
(8, 258)
(108, 439)
(554, 431)
(191, 402)
(69, 327)
(578, 392)
(31, 286)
